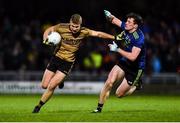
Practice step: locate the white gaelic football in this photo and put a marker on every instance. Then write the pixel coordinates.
(54, 38)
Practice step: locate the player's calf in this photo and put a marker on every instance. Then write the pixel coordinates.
(131, 90)
(44, 85)
(120, 94)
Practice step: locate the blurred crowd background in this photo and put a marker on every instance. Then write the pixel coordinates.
(22, 24)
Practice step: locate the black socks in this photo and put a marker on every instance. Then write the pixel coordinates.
(99, 107)
(41, 103)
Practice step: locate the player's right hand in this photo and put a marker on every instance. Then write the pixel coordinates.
(113, 47)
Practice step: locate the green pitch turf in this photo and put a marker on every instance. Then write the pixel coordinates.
(77, 108)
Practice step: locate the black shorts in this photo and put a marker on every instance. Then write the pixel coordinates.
(58, 64)
(133, 75)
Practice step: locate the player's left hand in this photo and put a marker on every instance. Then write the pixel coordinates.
(108, 15)
(113, 47)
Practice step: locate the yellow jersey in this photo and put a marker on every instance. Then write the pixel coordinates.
(70, 42)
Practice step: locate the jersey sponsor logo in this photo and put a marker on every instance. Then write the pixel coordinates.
(72, 41)
(125, 39)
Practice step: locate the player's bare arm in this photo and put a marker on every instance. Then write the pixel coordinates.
(100, 34)
(116, 21)
(47, 31)
(130, 55)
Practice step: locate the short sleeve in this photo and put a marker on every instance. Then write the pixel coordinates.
(86, 31)
(56, 27)
(123, 25)
(139, 42)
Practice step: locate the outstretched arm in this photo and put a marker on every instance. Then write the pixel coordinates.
(100, 34)
(130, 55)
(114, 20)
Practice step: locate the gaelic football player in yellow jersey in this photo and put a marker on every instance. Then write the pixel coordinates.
(64, 56)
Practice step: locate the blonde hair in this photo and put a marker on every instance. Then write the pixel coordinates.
(76, 18)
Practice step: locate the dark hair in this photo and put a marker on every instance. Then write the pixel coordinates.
(76, 18)
(137, 18)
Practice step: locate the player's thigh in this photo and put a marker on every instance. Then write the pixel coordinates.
(123, 88)
(46, 78)
(116, 74)
(56, 79)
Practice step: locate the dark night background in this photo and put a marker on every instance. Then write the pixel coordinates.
(22, 24)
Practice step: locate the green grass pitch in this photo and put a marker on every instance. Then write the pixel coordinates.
(77, 108)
